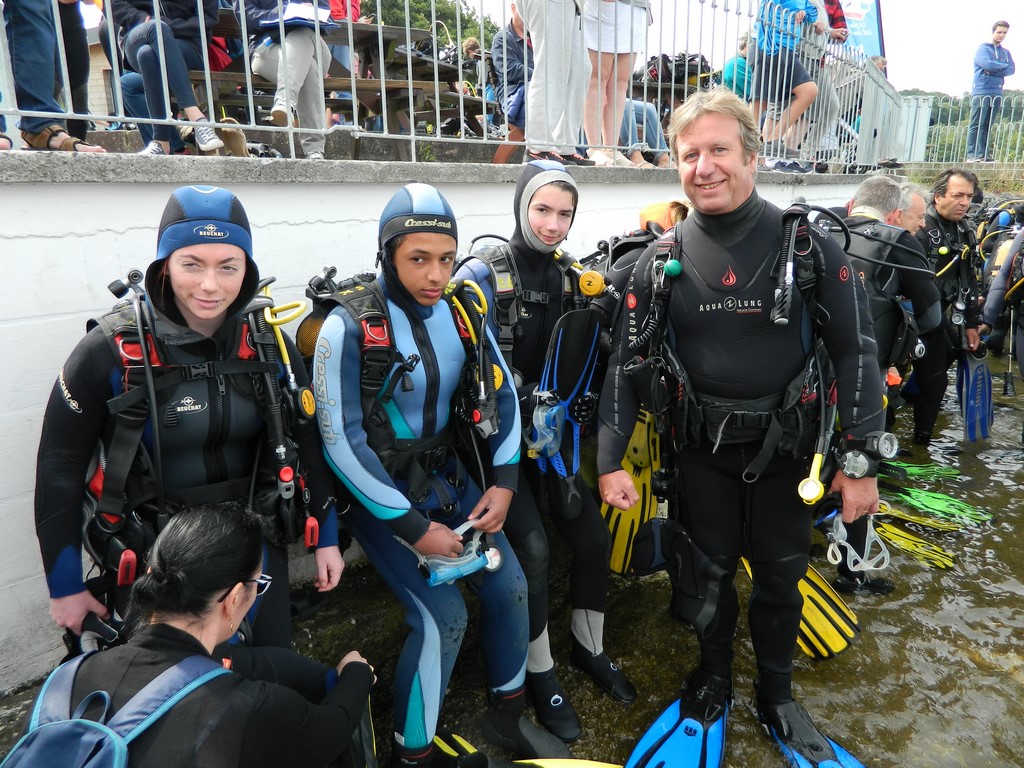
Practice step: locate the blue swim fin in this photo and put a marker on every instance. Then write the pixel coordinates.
(691, 732)
(974, 388)
(803, 745)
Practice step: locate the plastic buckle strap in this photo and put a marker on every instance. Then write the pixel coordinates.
(376, 365)
(435, 458)
(197, 371)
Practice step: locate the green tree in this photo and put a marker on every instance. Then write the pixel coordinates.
(460, 20)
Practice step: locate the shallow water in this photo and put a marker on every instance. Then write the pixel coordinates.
(935, 678)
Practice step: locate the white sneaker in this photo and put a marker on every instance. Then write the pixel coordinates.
(206, 138)
(152, 150)
(599, 157)
(314, 155)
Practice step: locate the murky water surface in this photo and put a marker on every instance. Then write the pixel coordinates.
(934, 680)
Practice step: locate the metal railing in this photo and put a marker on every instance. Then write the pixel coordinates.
(418, 85)
(945, 130)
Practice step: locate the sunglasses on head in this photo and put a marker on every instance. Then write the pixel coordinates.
(262, 582)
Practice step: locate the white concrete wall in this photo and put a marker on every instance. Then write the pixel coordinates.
(62, 241)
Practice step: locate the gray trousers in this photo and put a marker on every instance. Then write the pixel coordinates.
(561, 73)
(822, 113)
(300, 82)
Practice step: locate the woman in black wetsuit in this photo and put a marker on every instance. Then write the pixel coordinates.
(206, 570)
(211, 434)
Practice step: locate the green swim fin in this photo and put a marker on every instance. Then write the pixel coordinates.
(642, 459)
(827, 624)
(939, 504)
(915, 546)
(974, 387)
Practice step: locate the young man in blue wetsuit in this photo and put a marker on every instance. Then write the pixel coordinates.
(394, 449)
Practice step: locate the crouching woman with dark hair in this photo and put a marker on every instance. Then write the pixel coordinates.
(205, 573)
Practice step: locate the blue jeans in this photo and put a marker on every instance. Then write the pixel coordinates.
(984, 110)
(515, 107)
(133, 92)
(32, 39)
(343, 55)
(141, 50)
(642, 112)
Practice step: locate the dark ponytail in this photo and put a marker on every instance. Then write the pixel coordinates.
(203, 552)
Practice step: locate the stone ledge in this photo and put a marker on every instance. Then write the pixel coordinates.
(70, 168)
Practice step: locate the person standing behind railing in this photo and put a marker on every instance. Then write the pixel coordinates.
(292, 63)
(613, 31)
(992, 65)
(559, 84)
(76, 52)
(342, 10)
(821, 116)
(177, 32)
(736, 75)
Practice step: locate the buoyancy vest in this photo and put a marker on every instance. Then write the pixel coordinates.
(383, 370)
(510, 297)
(895, 327)
(945, 242)
(785, 423)
(129, 498)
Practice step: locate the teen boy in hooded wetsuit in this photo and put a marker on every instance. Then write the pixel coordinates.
(409, 501)
(717, 314)
(544, 207)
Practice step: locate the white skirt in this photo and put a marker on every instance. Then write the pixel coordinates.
(614, 27)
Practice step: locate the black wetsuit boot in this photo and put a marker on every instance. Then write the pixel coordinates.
(505, 726)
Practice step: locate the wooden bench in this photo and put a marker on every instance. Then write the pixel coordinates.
(371, 97)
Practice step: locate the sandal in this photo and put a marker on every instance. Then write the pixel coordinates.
(65, 141)
(5, 138)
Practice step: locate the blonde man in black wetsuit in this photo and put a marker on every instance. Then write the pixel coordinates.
(719, 318)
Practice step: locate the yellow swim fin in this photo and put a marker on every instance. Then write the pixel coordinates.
(827, 623)
(643, 457)
(915, 546)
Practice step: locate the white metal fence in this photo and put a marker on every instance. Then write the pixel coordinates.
(943, 130)
(418, 84)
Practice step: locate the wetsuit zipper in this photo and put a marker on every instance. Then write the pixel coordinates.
(427, 357)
